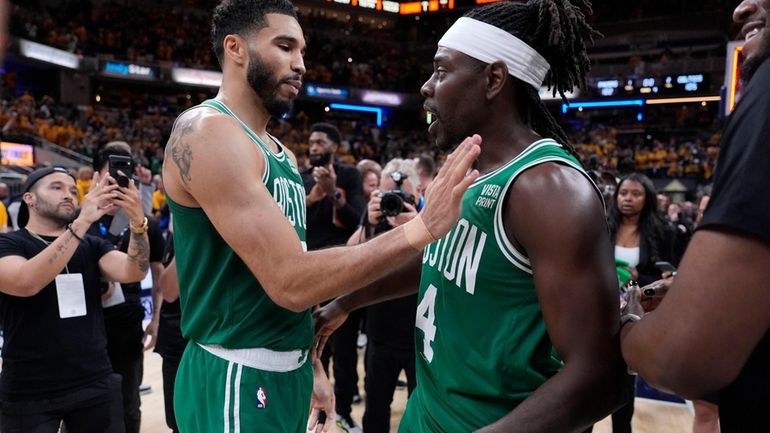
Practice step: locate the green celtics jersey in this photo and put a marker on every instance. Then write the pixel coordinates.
(481, 341)
(222, 301)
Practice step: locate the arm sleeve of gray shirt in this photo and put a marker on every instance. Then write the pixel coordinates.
(145, 192)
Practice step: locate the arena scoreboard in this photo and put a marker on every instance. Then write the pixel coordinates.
(408, 7)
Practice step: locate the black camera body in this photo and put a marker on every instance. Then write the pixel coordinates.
(392, 202)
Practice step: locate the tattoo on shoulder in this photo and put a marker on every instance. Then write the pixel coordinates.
(179, 149)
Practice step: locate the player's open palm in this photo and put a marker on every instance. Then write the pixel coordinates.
(443, 197)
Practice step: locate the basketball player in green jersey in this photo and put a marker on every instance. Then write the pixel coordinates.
(246, 281)
(517, 317)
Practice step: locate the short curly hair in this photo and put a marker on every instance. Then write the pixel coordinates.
(241, 17)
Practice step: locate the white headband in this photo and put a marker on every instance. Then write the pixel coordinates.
(489, 44)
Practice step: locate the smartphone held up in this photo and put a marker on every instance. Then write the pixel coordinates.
(122, 164)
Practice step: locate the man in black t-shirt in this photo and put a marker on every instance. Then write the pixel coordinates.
(123, 310)
(171, 343)
(55, 364)
(335, 203)
(710, 332)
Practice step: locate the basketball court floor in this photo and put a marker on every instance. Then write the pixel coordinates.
(649, 417)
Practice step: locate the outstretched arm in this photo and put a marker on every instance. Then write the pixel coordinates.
(713, 316)
(248, 218)
(401, 282)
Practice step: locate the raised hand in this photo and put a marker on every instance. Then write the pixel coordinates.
(373, 209)
(129, 200)
(443, 198)
(326, 178)
(327, 319)
(99, 200)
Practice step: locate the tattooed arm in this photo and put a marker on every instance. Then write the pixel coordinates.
(218, 168)
(133, 265)
(128, 267)
(20, 276)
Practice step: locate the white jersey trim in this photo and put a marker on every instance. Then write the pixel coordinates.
(516, 257)
(531, 148)
(226, 111)
(260, 358)
(237, 405)
(227, 397)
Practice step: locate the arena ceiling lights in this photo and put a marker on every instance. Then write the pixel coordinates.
(602, 104)
(44, 53)
(638, 102)
(363, 108)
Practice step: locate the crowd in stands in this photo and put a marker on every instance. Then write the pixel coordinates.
(84, 129)
(161, 33)
(677, 157)
(153, 32)
(615, 11)
(384, 56)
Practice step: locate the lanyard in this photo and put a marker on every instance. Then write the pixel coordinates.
(37, 236)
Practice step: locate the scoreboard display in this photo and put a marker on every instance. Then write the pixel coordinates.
(411, 7)
(649, 86)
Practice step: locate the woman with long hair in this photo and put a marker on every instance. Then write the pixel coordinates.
(641, 238)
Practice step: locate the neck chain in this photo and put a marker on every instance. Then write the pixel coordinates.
(47, 243)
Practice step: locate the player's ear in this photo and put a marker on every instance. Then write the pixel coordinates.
(497, 76)
(236, 49)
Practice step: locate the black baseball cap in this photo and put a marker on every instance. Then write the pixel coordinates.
(32, 179)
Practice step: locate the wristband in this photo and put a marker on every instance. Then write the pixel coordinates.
(72, 231)
(417, 234)
(138, 230)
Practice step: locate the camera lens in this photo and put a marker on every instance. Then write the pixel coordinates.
(391, 204)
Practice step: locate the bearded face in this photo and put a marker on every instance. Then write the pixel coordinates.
(266, 85)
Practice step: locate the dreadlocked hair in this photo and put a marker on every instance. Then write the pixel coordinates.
(557, 29)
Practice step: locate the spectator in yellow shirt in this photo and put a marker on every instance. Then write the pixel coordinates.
(3, 211)
(85, 174)
(159, 196)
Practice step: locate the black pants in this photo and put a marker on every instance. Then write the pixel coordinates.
(383, 365)
(97, 408)
(170, 367)
(126, 352)
(621, 419)
(344, 351)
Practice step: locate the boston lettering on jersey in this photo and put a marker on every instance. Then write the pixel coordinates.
(458, 254)
(481, 343)
(223, 303)
(290, 197)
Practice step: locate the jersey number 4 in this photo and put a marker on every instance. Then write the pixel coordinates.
(426, 320)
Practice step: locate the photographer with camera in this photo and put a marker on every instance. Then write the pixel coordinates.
(335, 204)
(389, 324)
